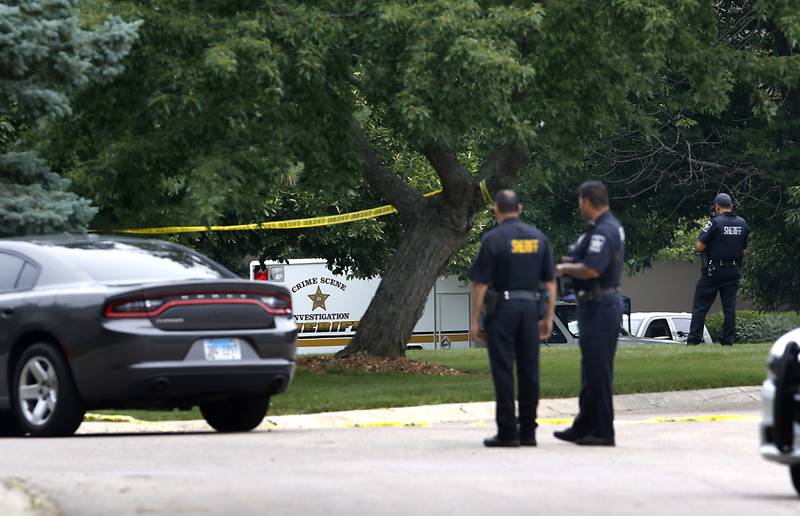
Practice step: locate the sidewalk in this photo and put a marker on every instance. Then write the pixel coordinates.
(555, 411)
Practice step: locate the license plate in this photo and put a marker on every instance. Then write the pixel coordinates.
(223, 349)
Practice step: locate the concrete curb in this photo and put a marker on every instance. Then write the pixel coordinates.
(551, 411)
(556, 411)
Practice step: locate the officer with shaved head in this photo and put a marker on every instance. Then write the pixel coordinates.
(723, 245)
(513, 261)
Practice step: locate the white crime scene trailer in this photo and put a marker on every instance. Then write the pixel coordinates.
(328, 307)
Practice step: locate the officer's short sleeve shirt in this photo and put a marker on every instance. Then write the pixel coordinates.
(513, 256)
(482, 267)
(709, 231)
(602, 248)
(599, 252)
(725, 236)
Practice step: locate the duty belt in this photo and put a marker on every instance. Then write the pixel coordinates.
(521, 295)
(586, 296)
(724, 263)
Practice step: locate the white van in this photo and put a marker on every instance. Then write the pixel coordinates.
(328, 307)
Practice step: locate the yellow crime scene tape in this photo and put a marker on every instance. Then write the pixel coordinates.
(485, 191)
(311, 222)
(111, 418)
(705, 418)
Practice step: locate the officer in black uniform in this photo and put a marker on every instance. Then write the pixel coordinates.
(722, 244)
(595, 267)
(513, 260)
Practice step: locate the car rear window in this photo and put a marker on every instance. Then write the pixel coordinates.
(111, 261)
(27, 278)
(10, 266)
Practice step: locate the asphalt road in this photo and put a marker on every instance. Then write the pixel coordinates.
(657, 469)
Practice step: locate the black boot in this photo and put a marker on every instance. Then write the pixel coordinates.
(568, 435)
(497, 442)
(593, 440)
(527, 438)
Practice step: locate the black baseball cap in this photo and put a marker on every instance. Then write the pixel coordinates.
(723, 199)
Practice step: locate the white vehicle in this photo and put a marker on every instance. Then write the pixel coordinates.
(328, 307)
(662, 326)
(780, 431)
(567, 331)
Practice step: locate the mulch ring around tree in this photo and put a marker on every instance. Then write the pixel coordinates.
(364, 363)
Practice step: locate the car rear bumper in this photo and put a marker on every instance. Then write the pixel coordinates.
(186, 380)
(768, 448)
(188, 383)
(131, 363)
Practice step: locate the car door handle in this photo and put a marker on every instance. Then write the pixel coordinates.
(6, 312)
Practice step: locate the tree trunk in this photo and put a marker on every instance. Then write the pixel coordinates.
(435, 229)
(422, 256)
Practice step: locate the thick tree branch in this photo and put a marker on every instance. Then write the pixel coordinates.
(456, 182)
(501, 168)
(383, 180)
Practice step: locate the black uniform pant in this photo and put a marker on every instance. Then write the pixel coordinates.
(599, 323)
(726, 282)
(514, 333)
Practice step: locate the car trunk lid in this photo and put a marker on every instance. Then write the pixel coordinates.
(203, 305)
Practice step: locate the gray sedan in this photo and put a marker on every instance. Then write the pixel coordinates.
(98, 322)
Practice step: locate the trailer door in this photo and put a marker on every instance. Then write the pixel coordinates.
(452, 321)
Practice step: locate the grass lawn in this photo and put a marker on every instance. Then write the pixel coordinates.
(637, 369)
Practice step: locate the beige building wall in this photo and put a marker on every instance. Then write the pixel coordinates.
(667, 287)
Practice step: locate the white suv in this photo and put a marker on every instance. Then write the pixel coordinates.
(780, 399)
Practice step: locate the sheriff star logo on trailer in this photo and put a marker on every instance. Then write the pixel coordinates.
(318, 298)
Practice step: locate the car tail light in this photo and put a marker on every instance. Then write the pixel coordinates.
(277, 304)
(139, 306)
